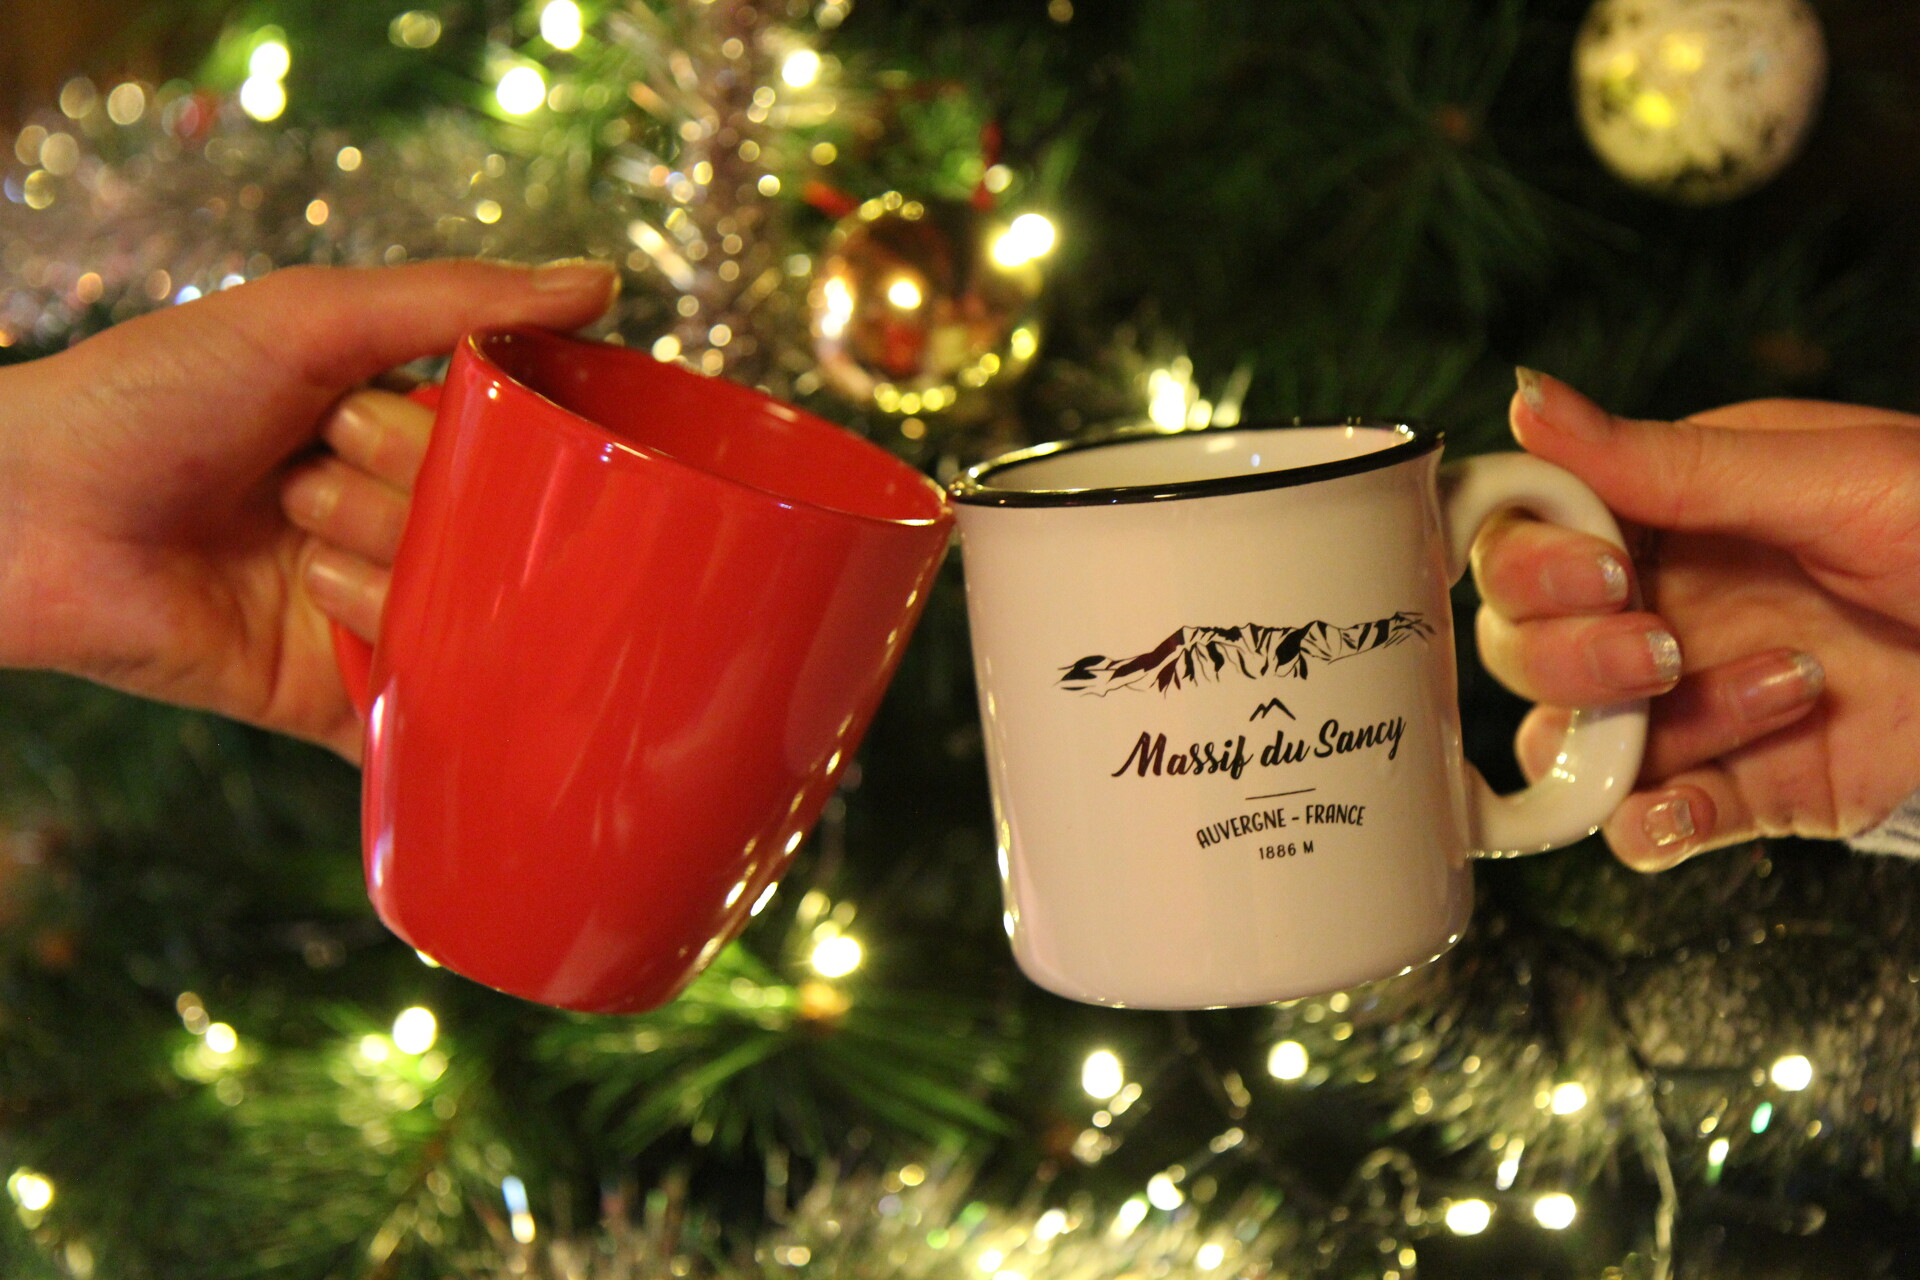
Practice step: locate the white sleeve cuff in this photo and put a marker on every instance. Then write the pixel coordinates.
(1899, 834)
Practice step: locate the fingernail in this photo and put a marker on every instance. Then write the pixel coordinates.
(356, 423)
(339, 583)
(1590, 584)
(1632, 661)
(1669, 828)
(1572, 413)
(311, 495)
(1528, 381)
(1792, 684)
(577, 275)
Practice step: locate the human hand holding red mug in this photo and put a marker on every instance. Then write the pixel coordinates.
(142, 543)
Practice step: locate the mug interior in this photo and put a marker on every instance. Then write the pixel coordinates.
(716, 426)
(1188, 457)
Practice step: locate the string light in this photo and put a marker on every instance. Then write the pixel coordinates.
(415, 29)
(1555, 1210)
(1209, 1256)
(1164, 1193)
(221, 1039)
(801, 68)
(1129, 1216)
(560, 24)
(1101, 1075)
(904, 293)
(263, 95)
(836, 956)
(126, 104)
(30, 1190)
(1792, 1073)
(1169, 391)
(415, 1030)
(1468, 1217)
(1509, 1164)
(263, 99)
(1287, 1060)
(519, 1213)
(270, 60)
(521, 91)
(1717, 1152)
(1762, 1117)
(1030, 236)
(1568, 1098)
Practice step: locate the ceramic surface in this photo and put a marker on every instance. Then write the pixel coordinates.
(639, 622)
(1217, 682)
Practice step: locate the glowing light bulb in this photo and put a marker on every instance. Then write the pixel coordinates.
(127, 103)
(519, 1212)
(30, 1190)
(262, 98)
(801, 68)
(1555, 1211)
(415, 29)
(836, 956)
(521, 91)
(560, 24)
(1568, 1098)
(1792, 1073)
(415, 1030)
(1031, 236)
(1468, 1217)
(270, 61)
(904, 293)
(1287, 1060)
(1101, 1075)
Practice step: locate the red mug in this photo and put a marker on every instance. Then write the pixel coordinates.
(638, 624)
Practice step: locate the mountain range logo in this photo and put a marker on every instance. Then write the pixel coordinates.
(1270, 705)
(1214, 655)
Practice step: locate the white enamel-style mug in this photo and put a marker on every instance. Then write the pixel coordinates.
(1217, 682)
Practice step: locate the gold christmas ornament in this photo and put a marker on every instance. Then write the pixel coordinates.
(915, 305)
(1698, 100)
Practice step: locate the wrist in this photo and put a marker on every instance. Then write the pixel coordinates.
(21, 558)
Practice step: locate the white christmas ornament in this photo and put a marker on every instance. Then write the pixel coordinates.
(1698, 100)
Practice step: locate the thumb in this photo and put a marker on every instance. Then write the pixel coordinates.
(344, 325)
(1808, 491)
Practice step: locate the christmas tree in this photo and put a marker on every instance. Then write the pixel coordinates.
(214, 1061)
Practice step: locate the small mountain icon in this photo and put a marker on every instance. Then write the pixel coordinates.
(1196, 655)
(1272, 704)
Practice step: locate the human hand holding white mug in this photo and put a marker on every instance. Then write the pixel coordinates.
(1781, 630)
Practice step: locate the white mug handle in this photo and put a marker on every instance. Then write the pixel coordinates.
(1600, 756)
